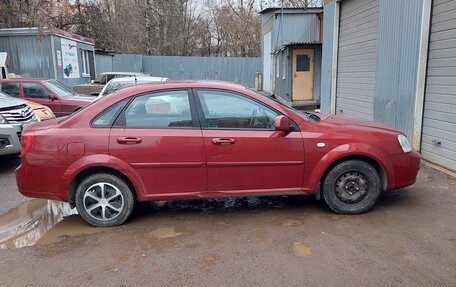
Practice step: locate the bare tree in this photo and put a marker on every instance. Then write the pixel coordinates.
(154, 27)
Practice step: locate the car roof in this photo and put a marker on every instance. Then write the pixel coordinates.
(121, 73)
(186, 84)
(25, 80)
(138, 79)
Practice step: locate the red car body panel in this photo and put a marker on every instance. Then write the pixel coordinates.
(184, 163)
(60, 106)
(167, 160)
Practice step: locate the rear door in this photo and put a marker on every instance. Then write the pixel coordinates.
(244, 151)
(37, 93)
(158, 134)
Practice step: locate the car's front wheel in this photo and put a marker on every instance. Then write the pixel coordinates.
(352, 187)
(104, 200)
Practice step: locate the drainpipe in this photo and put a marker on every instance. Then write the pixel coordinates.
(421, 75)
(334, 56)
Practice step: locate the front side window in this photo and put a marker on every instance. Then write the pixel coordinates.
(226, 110)
(101, 79)
(35, 91)
(11, 89)
(109, 78)
(160, 110)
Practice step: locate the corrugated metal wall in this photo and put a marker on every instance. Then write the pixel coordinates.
(357, 58)
(103, 63)
(127, 63)
(399, 28)
(326, 64)
(239, 70)
(439, 123)
(297, 28)
(30, 56)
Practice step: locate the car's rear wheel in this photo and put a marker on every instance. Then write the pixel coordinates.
(352, 187)
(104, 200)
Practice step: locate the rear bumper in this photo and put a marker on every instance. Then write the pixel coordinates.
(405, 170)
(39, 181)
(28, 180)
(9, 139)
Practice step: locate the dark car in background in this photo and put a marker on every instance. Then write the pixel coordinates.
(51, 93)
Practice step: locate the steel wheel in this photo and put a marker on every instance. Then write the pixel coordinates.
(351, 187)
(103, 201)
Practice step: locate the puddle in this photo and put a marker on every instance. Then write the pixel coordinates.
(165, 232)
(70, 226)
(301, 250)
(38, 222)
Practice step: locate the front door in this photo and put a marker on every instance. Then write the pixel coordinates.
(244, 151)
(35, 92)
(303, 71)
(160, 138)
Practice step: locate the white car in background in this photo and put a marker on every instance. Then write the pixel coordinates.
(120, 83)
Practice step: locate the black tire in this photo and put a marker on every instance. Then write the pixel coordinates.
(352, 187)
(108, 213)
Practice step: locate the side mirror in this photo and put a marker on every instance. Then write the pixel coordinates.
(282, 123)
(52, 97)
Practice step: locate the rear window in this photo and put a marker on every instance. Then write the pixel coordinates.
(11, 89)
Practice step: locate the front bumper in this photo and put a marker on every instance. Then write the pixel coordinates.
(10, 139)
(405, 169)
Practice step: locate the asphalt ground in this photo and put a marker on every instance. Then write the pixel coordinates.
(408, 239)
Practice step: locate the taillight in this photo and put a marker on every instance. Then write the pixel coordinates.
(26, 142)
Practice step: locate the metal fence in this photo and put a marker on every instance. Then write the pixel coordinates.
(239, 70)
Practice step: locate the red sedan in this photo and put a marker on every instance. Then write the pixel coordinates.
(51, 93)
(203, 140)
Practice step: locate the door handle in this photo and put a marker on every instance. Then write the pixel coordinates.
(129, 140)
(223, 141)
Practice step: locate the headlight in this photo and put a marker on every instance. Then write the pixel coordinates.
(3, 120)
(404, 142)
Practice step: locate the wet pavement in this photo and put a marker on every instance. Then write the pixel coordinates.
(409, 239)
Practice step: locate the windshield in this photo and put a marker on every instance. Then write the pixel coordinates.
(59, 89)
(306, 115)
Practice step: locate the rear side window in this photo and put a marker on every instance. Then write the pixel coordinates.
(11, 89)
(160, 110)
(107, 117)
